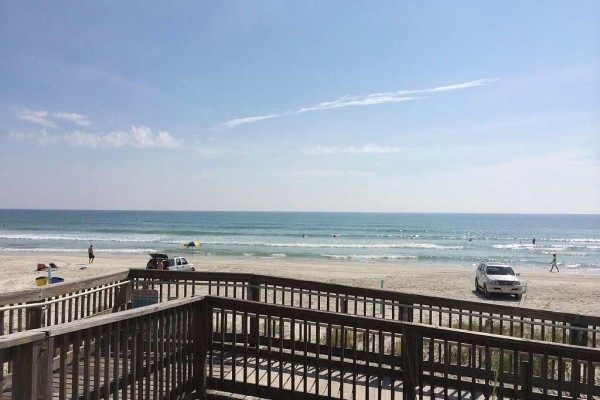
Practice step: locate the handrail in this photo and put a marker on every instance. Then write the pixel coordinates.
(374, 324)
(20, 338)
(400, 297)
(58, 300)
(191, 339)
(48, 291)
(462, 312)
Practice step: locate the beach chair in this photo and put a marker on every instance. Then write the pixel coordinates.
(41, 267)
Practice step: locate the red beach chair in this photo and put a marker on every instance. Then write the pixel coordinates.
(41, 267)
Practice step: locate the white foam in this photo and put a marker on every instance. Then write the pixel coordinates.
(371, 257)
(335, 245)
(56, 250)
(79, 238)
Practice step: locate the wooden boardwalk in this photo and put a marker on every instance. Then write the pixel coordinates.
(282, 380)
(275, 380)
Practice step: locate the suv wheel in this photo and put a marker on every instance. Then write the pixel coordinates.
(476, 285)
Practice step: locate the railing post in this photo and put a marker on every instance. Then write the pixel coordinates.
(122, 297)
(254, 295)
(203, 329)
(406, 312)
(525, 380)
(578, 337)
(34, 316)
(32, 372)
(344, 305)
(411, 348)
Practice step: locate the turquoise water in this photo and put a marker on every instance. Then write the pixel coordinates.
(422, 239)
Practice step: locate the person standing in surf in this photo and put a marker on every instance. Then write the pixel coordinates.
(553, 264)
(91, 254)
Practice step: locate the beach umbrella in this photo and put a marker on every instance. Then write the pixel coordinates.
(192, 245)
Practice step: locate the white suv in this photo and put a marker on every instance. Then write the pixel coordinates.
(497, 278)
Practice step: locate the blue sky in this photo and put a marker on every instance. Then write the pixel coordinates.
(307, 106)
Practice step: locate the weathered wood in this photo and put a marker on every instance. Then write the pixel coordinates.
(478, 338)
(116, 317)
(20, 338)
(525, 380)
(123, 295)
(44, 292)
(362, 292)
(32, 370)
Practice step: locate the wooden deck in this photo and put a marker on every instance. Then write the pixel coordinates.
(275, 380)
(287, 339)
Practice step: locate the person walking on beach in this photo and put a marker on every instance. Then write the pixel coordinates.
(91, 254)
(554, 264)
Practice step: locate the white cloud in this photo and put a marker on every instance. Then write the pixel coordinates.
(41, 118)
(366, 149)
(248, 120)
(356, 101)
(48, 120)
(41, 137)
(348, 101)
(137, 137)
(75, 118)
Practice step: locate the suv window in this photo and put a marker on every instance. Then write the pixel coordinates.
(497, 270)
(183, 261)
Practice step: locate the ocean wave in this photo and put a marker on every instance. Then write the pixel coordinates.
(555, 248)
(79, 238)
(337, 245)
(371, 257)
(57, 250)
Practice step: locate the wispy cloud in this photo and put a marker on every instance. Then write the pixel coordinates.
(136, 137)
(349, 101)
(41, 118)
(357, 101)
(49, 120)
(248, 120)
(72, 117)
(366, 149)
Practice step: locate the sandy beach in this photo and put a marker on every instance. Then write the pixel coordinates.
(574, 292)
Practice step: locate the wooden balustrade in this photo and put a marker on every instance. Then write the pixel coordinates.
(60, 303)
(505, 320)
(317, 354)
(194, 346)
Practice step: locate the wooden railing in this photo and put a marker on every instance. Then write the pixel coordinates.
(66, 302)
(60, 303)
(153, 352)
(182, 347)
(302, 353)
(487, 317)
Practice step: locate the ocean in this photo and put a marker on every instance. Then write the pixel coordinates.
(393, 238)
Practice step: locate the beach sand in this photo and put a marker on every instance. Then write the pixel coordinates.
(565, 291)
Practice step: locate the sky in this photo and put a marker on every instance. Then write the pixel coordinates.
(387, 106)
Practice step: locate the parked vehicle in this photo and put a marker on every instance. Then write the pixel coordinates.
(492, 277)
(162, 261)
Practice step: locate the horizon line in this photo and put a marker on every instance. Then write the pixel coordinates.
(296, 211)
